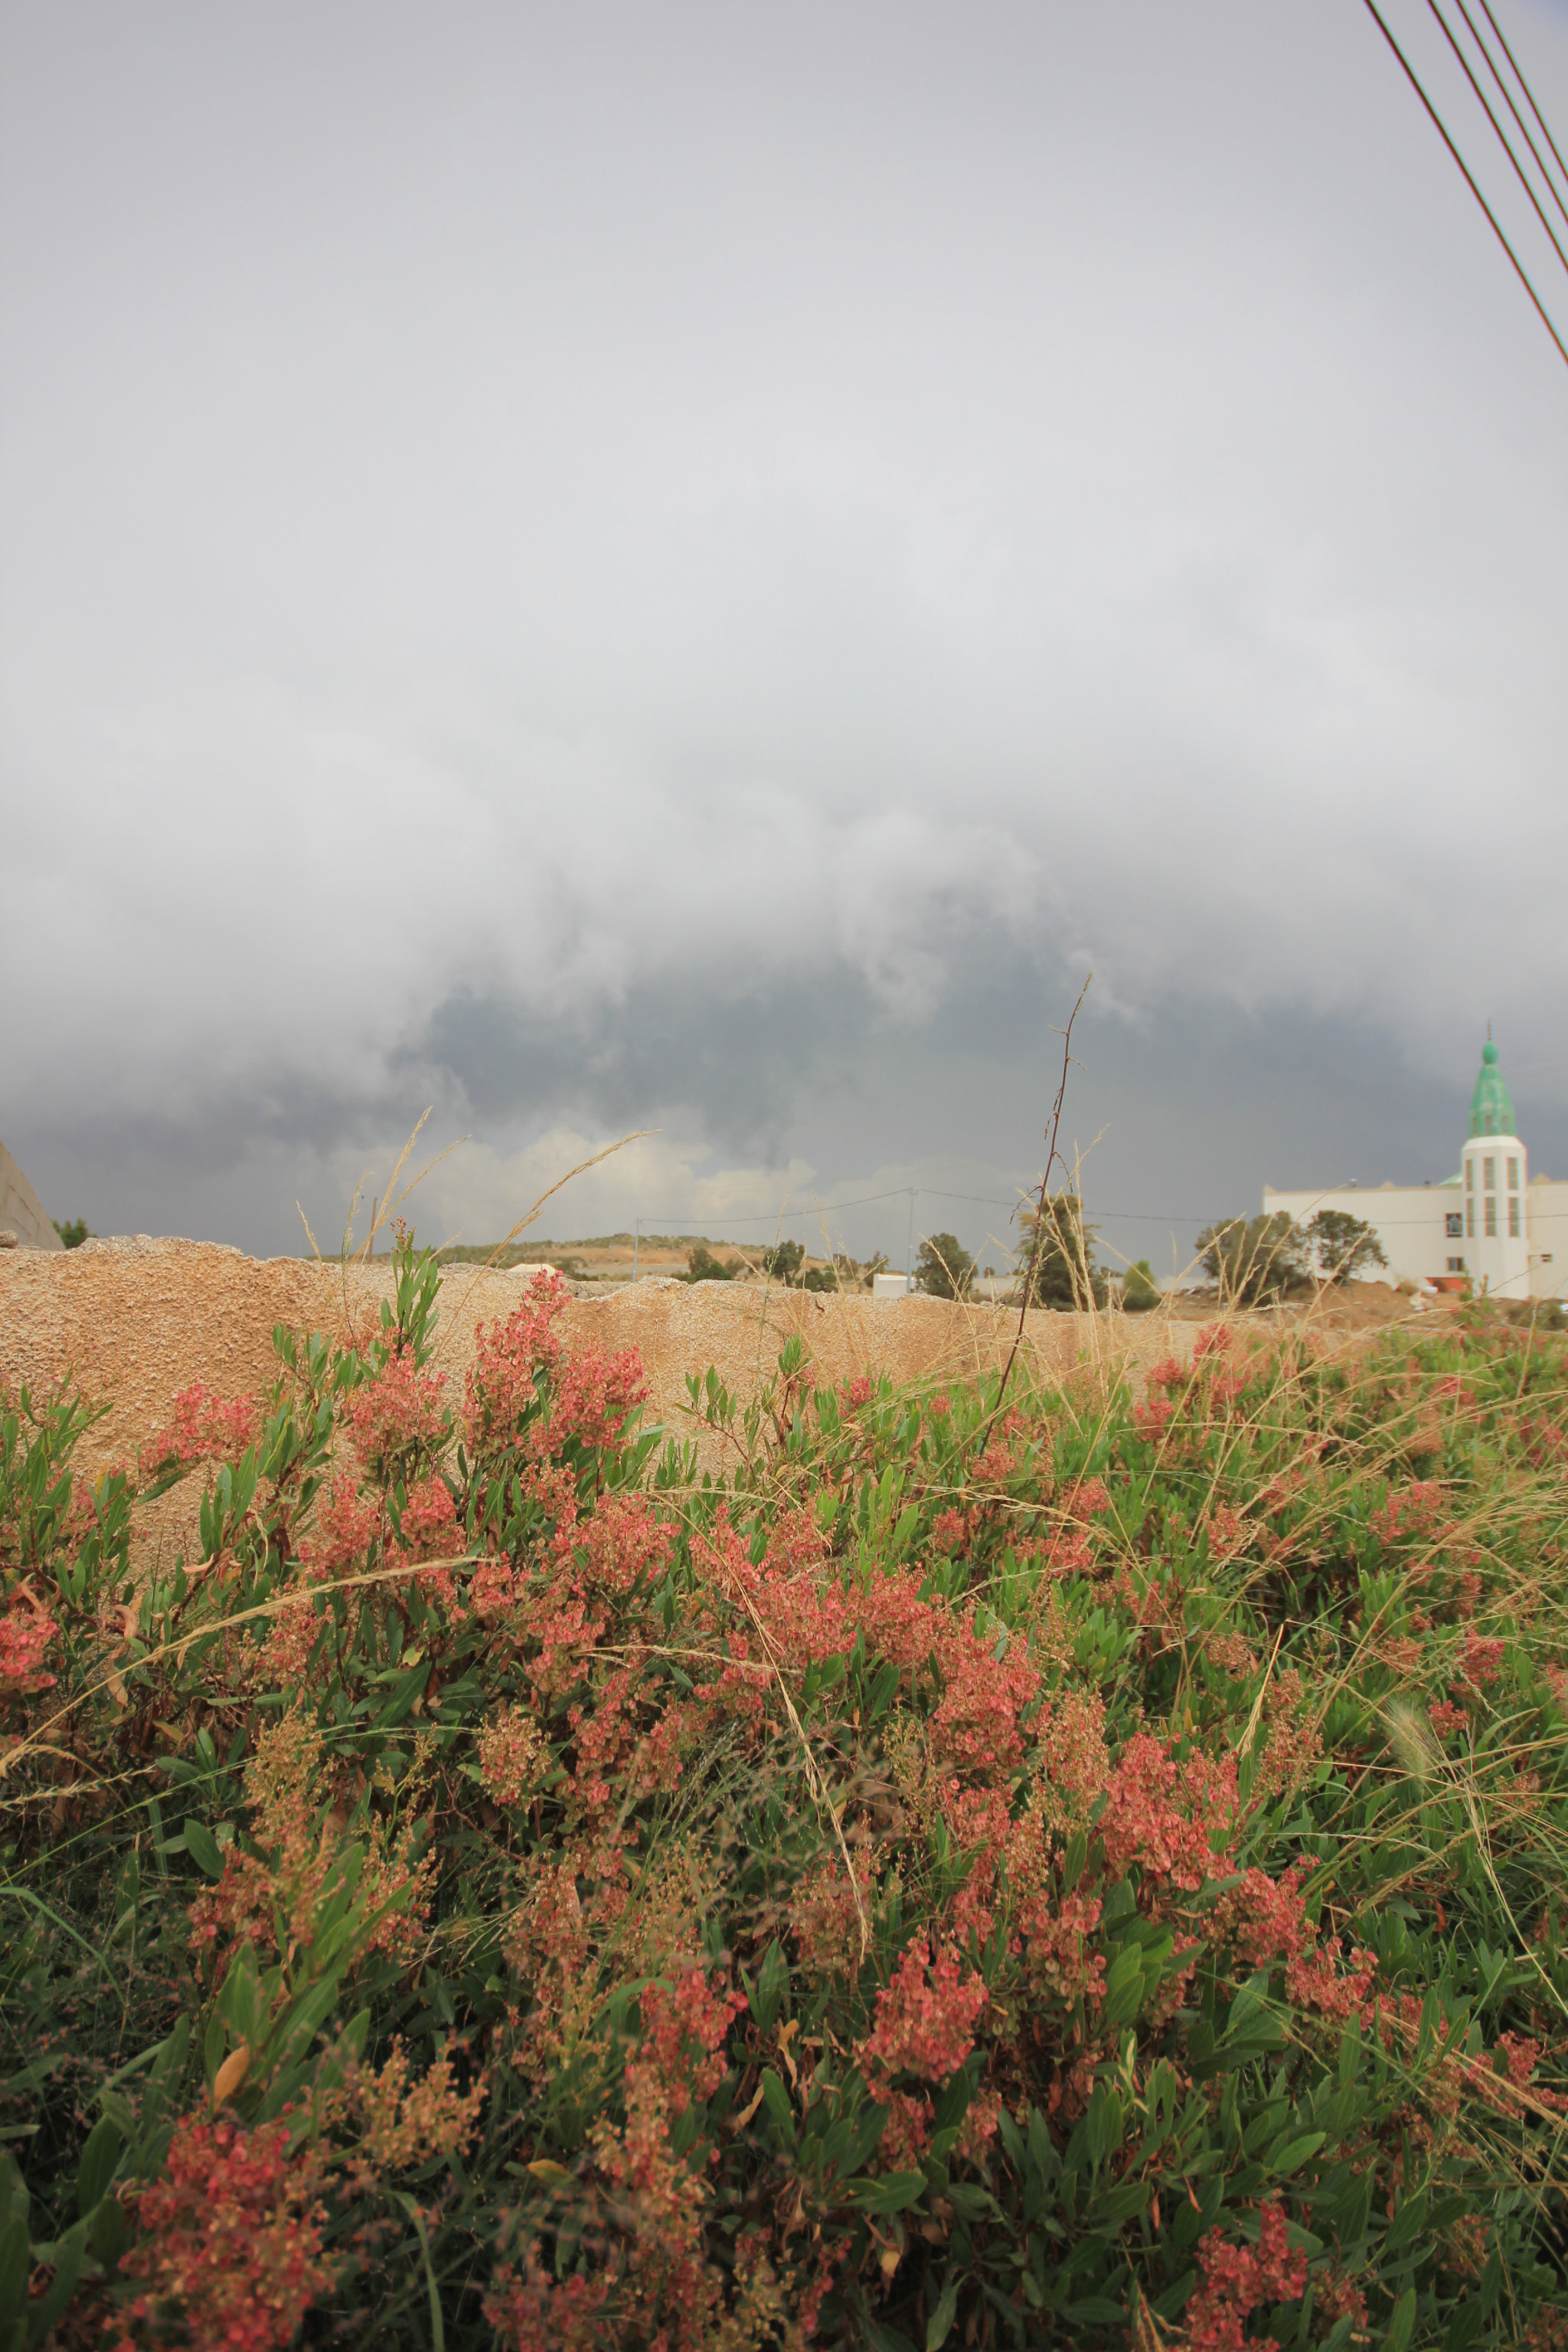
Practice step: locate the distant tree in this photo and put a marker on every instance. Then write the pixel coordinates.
(1342, 1245)
(821, 1277)
(1251, 1259)
(1139, 1288)
(73, 1233)
(783, 1261)
(944, 1268)
(701, 1265)
(1066, 1276)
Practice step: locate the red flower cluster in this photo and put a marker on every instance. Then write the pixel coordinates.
(205, 1428)
(1237, 2279)
(925, 2020)
(1410, 1512)
(1272, 1923)
(230, 2241)
(594, 1396)
(502, 1383)
(1164, 1816)
(26, 1631)
(396, 1413)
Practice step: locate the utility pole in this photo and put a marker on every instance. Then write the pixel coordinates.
(910, 1255)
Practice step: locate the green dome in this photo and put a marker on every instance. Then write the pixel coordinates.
(1491, 1112)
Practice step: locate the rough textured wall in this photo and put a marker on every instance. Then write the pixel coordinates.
(137, 1321)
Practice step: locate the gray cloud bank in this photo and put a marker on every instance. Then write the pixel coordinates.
(609, 568)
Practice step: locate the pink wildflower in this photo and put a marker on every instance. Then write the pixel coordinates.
(205, 1427)
(231, 2240)
(1237, 2279)
(25, 1633)
(924, 2024)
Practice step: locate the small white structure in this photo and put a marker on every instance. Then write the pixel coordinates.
(890, 1286)
(1489, 1224)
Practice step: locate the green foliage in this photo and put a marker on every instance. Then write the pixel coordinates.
(1138, 1290)
(1066, 1276)
(701, 1265)
(783, 1261)
(944, 1268)
(73, 1233)
(1082, 1869)
(1254, 1259)
(1340, 1245)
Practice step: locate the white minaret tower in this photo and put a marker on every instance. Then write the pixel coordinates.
(1496, 1240)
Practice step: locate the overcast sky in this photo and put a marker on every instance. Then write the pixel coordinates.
(696, 567)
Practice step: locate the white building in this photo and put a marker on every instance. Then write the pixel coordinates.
(1493, 1222)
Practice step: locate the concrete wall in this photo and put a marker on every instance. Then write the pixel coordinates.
(137, 1321)
(21, 1210)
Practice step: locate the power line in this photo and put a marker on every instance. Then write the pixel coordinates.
(1507, 96)
(1502, 135)
(1524, 86)
(1415, 81)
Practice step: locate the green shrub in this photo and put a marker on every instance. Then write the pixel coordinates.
(943, 1268)
(1066, 1276)
(1251, 1260)
(1138, 1289)
(1075, 1868)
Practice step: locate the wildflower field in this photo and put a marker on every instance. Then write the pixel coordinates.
(1051, 1868)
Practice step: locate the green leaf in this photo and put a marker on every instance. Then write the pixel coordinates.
(1119, 2205)
(65, 2258)
(893, 2193)
(768, 1994)
(942, 2317)
(775, 2099)
(99, 2158)
(204, 1848)
(1406, 2224)
(1294, 2152)
(15, 2262)
(1403, 2326)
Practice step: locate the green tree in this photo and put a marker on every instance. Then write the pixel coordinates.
(944, 1268)
(73, 1233)
(1342, 1244)
(701, 1265)
(1066, 1276)
(783, 1261)
(1138, 1289)
(1253, 1259)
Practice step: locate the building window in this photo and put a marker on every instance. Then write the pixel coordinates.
(1489, 1174)
(1513, 1175)
(1470, 1219)
(1513, 1217)
(1455, 1265)
(1491, 1217)
(1469, 1175)
(1456, 1226)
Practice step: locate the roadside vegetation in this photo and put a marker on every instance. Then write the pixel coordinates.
(1074, 1865)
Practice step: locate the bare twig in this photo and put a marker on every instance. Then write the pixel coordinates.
(1040, 1213)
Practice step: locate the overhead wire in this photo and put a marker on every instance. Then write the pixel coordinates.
(1519, 171)
(1541, 163)
(1519, 272)
(1524, 86)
